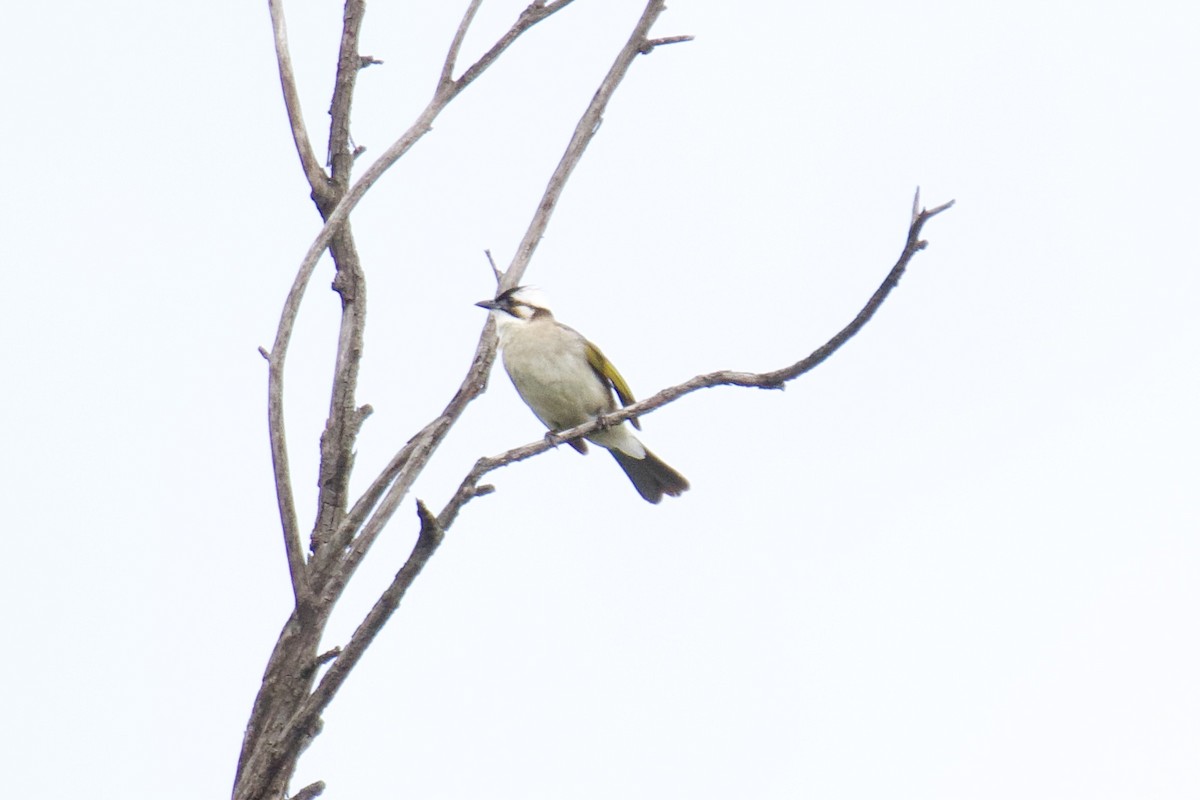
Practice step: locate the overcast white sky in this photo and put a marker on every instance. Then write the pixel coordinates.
(960, 560)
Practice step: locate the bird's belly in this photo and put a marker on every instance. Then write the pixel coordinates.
(560, 387)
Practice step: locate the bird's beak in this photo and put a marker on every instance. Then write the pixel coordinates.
(490, 305)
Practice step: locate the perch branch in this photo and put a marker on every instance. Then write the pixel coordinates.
(776, 379)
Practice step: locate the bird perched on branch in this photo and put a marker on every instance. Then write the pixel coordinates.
(567, 381)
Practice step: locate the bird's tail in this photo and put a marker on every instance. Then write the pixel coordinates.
(651, 476)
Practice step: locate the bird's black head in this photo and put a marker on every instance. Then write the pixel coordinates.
(518, 302)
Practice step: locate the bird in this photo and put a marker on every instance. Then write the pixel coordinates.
(566, 381)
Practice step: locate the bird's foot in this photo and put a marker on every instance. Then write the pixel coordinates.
(555, 438)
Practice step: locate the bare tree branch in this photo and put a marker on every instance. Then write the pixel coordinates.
(334, 574)
(316, 176)
(264, 769)
(428, 540)
(285, 498)
(776, 379)
(533, 14)
(344, 419)
(341, 159)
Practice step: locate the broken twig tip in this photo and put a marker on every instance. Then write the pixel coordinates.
(939, 209)
(495, 270)
(313, 790)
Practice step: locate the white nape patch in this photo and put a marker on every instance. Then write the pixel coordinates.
(534, 296)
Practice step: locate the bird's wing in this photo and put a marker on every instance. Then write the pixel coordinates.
(608, 373)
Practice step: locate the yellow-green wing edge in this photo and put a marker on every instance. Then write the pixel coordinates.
(608, 373)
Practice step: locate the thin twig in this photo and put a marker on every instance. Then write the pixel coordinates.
(317, 179)
(776, 379)
(650, 44)
(447, 75)
(532, 15)
(584, 132)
